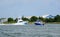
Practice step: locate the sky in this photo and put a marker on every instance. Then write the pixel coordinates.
(15, 8)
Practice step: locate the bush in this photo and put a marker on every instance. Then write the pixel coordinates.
(33, 18)
(10, 19)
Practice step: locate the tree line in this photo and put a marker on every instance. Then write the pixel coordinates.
(34, 18)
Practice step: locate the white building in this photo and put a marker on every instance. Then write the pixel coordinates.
(3, 20)
(48, 16)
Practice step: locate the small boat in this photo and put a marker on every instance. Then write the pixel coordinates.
(21, 22)
(39, 23)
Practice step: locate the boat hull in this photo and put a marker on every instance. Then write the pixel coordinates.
(19, 24)
(22, 23)
(38, 24)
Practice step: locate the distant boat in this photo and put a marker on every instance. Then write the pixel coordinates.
(21, 22)
(38, 22)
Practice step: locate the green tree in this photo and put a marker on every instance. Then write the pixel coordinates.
(33, 18)
(24, 18)
(16, 19)
(57, 18)
(41, 18)
(46, 20)
(10, 19)
(49, 20)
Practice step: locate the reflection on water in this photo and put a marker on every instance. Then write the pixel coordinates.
(48, 30)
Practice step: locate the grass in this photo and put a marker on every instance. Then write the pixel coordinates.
(53, 22)
(9, 22)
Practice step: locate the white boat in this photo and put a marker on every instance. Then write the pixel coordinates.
(21, 22)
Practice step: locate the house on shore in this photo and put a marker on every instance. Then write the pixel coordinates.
(3, 20)
(48, 16)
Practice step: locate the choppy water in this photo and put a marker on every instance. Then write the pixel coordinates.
(48, 30)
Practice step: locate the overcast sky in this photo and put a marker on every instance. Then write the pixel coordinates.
(15, 8)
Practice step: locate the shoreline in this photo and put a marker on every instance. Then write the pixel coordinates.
(53, 23)
(30, 23)
(47, 23)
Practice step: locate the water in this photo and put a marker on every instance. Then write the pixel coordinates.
(48, 30)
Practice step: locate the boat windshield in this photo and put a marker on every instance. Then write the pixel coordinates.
(20, 21)
(38, 21)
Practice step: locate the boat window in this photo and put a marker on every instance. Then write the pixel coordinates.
(20, 21)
